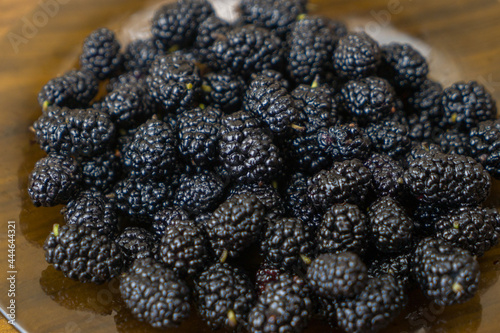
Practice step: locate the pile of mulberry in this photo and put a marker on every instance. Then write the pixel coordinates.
(281, 166)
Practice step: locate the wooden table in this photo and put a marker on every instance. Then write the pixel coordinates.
(12, 11)
(5, 327)
(466, 31)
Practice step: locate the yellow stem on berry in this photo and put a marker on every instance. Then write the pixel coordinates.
(224, 256)
(231, 316)
(55, 229)
(305, 259)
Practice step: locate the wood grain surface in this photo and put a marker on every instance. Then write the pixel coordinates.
(462, 36)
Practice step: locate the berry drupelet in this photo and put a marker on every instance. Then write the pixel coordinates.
(472, 229)
(77, 132)
(466, 104)
(318, 106)
(73, 89)
(344, 142)
(310, 46)
(166, 217)
(378, 304)
(54, 181)
(287, 242)
(420, 127)
(367, 100)
(283, 306)
(387, 176)
(128, 105)
(235, 224)
(274, 15)
(101, 172)
(183, 248)
(101, 53)
(142, 198)
(83, 253)
(223, 91)
(239, 121)
(137, 243)
(140, 54)
(246, 152)
(324, 310)
(297, 202)
(201, 9)
(403, 66)
(391, 228)
(127, 78)
(272, 74)
(303, 153)
(199, 193)
(342, 228)
(421, 150)
(485, 146)
(209, 31)
(454, 142)
(92, 210)
(426, 100)
(319, 110)
(337, 275)
(448, 180)
(266, 193)
(175, 25)
(152, 151)
(447, 275)
(425, 217)
(356, 56)
(224, 296)
(154, 294)
(398, 114)
(246, 50)
(390, 138)
(398, 266)
(268, 101)
(201, 220)
(198, 132)
(267, 273)
(347, 181)
(174, 82)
